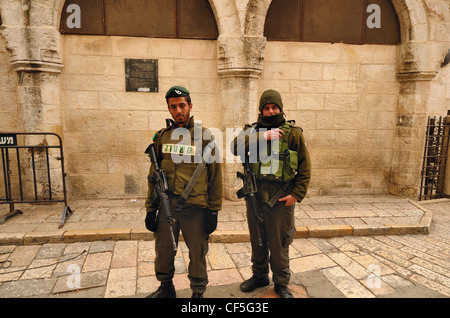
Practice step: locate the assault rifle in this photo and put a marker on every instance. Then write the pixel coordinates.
(161, 186)
(249, 192)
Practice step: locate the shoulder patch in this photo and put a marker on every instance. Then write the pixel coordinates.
(156, 134)
(159, 132)
(292, 124)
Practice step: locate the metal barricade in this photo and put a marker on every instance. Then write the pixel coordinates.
(32, 171)
(435, 158)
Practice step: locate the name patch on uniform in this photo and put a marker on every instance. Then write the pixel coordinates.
(178, 149)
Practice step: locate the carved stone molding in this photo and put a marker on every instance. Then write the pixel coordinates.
(240, 56)
(33, 49)
(37, 66)
(32, 46)
(420, 61)
(416, 76)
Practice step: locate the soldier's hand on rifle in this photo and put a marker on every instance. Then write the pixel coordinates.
(273, 134)
(290, 200)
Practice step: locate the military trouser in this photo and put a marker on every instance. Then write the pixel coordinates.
(191, 225)
(277, 233)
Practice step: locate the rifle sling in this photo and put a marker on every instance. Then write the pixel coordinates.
(193, 180)
(153, 196)
(283, 191)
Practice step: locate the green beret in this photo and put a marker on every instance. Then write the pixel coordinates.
(177, 91)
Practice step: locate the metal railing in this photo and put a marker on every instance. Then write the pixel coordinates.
(435, 158)
(32, 171)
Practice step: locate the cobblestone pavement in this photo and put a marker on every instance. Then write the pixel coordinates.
(363, 266)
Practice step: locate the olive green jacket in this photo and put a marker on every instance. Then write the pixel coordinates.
(296, 142)
(207, 191)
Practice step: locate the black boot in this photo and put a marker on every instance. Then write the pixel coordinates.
(197, 295)
(166, 290)
(283, 291)
(253, 283)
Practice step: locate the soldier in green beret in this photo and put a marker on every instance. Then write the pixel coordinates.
(282, 169)
(177, 146)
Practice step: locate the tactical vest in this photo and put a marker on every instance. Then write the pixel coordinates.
(280, 163)
(179, 160)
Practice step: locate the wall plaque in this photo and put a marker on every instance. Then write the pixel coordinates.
(141, 75)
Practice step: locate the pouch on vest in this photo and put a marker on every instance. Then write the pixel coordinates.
(280, 164)
(280, 167)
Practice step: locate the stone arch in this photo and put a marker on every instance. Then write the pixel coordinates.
(227, 16)
(403, 14)
(410, 18)
(421, 54)
(57, 11)
(255, 17)
(416, 55)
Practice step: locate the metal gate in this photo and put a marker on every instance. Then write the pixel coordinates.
(435, 158)
(32, 171)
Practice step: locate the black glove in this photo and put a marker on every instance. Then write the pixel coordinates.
(150, 221)
(210, 222)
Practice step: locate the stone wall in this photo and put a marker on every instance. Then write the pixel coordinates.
(107, 129)
(345, 98)
(9, 110)
(439, 98)
(363, 108)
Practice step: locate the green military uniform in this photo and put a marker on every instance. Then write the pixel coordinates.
(278, 227)
(179, 151)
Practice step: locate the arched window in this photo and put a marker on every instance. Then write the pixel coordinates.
(186, 19)
(333, 21)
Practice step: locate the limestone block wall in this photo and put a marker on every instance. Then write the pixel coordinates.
(345, 98)
(439, 98)
(9, 120)
(107, 129)
(363, 108)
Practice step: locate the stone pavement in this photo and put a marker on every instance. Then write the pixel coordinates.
(354, 246)
(124, 220)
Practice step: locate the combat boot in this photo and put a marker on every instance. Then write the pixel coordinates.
(197, 295)
(166, 290)
(254, 282)
(283, 291)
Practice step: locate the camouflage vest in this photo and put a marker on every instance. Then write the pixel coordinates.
(180, 157)
(280, 163)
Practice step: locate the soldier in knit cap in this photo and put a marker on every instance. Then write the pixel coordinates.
(281, 182)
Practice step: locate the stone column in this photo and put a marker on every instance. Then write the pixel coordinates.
(239, 65)
(33, 43)
(419, 64)
(39, 101)
(409, 139)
